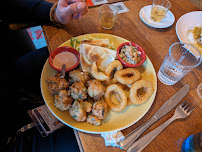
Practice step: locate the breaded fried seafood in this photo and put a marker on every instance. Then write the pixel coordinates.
(112, 67)
(55, 84)
(78, 75)
(136, 98)
(78, 91)
(120, 95)
(95, 89)
(63, 101)
(127, 76)
(93, 120)
(96, 74)
(87, 105)
(77, 111)
(100, 109)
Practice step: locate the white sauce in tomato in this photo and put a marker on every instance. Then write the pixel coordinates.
(67, 58)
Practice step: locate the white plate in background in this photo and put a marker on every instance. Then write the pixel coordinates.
(185, 22)
(164, 23)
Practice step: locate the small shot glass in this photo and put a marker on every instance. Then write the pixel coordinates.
(108, 15)
(159, 9)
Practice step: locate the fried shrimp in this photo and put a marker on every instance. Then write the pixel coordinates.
(78, 75)
(111, 69)
(96, 89)
(135, 97)
(63, 101)
(97, 75)
(120, 95)
(127, 76)
(77, 111)
(78, 91)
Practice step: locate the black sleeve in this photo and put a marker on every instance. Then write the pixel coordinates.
(25, 11)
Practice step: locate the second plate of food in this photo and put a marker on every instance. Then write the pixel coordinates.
(114, 121)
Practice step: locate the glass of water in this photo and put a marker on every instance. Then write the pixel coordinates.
(180, 60)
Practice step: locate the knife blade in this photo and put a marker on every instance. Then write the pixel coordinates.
(172, 102)
(164, 109)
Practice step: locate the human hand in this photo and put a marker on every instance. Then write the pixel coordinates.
(67, 10)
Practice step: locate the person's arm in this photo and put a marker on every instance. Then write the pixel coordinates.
(38, 11)
(25, 11)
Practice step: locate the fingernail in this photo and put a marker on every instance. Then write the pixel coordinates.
(80, 6)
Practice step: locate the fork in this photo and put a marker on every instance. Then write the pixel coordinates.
(182, 111)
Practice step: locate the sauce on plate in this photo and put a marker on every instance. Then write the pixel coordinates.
(67, 58)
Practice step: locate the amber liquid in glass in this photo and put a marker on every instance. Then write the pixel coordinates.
(107, 20)
(158, 13)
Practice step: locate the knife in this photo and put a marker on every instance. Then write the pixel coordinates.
(164, 109)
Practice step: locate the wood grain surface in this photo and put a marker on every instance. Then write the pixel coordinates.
(156, 43)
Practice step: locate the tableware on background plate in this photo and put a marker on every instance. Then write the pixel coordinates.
(164, 23)
(112, 121)
(64, 58)
(182, 111)
(128, 65)
(185, 22)
(164, 109)
(108, 15)
(180, 60)
(159, 9)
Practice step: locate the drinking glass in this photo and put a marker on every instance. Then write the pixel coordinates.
(180, 60)
(108, 15)
(159, 9)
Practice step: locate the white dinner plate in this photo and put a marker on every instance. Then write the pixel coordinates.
(164, 23)
(185, 22)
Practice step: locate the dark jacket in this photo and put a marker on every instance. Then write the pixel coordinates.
(25, 11)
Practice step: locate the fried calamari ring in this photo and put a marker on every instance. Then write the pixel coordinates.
(111, 69)
(140, 99)
(127, 76)
(97, 75)
(120, 95)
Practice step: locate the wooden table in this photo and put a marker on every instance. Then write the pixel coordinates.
(156, 43)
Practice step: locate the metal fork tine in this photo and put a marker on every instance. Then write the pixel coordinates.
(190, 111)
(185, 107)
(190, 105)
(182, 104)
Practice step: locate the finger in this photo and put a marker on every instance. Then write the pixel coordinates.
(75, 8)
(76, 16)
(74, 1)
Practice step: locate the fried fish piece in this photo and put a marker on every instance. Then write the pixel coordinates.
(87, 105)
(55, 84)
(96, 89)
(63, 101)
(78, 91)
(100, 109)
(93, 120)
(77, 111)
(78, 75)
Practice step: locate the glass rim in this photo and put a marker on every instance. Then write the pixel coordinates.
(166, 1)
(109, 5)
(192, 66)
